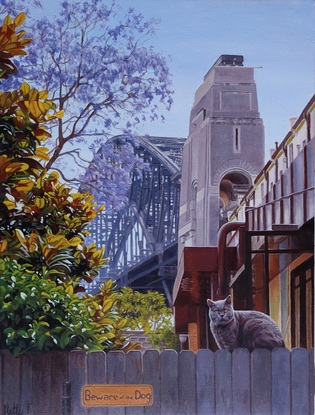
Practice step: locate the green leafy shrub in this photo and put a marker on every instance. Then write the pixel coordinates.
(105, 314)
(43, 225)
(38, 314)
(148, 312)
(43, 256)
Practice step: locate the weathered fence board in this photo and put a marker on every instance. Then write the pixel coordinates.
(11, 394)
(26, 384)
(186, 383)
(77, 378)
(59, 370)
(203, 383)
(241, 382)
(261, 382)
(116, 375)
(96, 374)
(169, 382)
(151, 376)
(281, 391)
(134, 375)
(41, 384)
(300, 381)
(223, 382)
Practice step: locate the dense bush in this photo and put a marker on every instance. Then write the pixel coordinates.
(38, 314)
(43, 225)
(148, 312)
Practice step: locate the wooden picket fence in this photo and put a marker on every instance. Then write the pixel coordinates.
(203, 383)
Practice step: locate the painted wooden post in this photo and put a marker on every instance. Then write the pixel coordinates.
(300, 381)
(116, 375)
(281, 393)
(223, 382)
(205, 382)
(187, 383)
(66, 398)
(151, 376)
(169, 382)
(261, 382)
(241, 381)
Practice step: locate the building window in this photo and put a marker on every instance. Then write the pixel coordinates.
(302, 306)
(236, 140)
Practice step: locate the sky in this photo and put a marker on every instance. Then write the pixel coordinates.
(276, 36)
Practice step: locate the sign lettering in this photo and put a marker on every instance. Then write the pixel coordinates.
(117, 395)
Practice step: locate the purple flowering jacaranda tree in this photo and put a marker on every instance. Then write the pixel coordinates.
(95, 61)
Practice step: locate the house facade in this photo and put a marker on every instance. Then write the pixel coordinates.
(257, 245)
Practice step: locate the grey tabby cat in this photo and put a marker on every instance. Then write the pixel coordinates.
(248, 329)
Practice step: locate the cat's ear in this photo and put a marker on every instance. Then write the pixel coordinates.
(228, 300)
(210, 302)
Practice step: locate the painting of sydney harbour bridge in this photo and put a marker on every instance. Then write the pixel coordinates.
(141, 239)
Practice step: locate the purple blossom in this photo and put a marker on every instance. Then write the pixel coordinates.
(92, 61)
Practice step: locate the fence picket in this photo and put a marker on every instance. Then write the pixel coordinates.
(300, 382)
(134, 375)
(187, 383)
(59, 374)
(11, 397)
(116, 375)
(41, 384)
(205, 382)
(169, 382)
(96, 374)
(261, 382)
(26, 384)
(281, 368)
(151, 376)
(78, 378)
(311, 377)
(223, 382)
(241, 381)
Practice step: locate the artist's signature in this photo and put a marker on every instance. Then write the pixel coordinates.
(12, 410)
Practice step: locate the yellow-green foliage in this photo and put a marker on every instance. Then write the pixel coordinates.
(39, 314)
(105, 313)
(12, 43)
(148, 312)
(43, 256)
(43, 223)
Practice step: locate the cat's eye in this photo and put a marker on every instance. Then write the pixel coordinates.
(217, 312)
(226, 311)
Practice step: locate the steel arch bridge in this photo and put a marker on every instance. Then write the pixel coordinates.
(141, 240)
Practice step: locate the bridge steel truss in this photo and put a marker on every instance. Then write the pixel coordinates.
(141, 240)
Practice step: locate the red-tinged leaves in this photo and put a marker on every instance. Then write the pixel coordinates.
(43, 253)
(12, 43)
